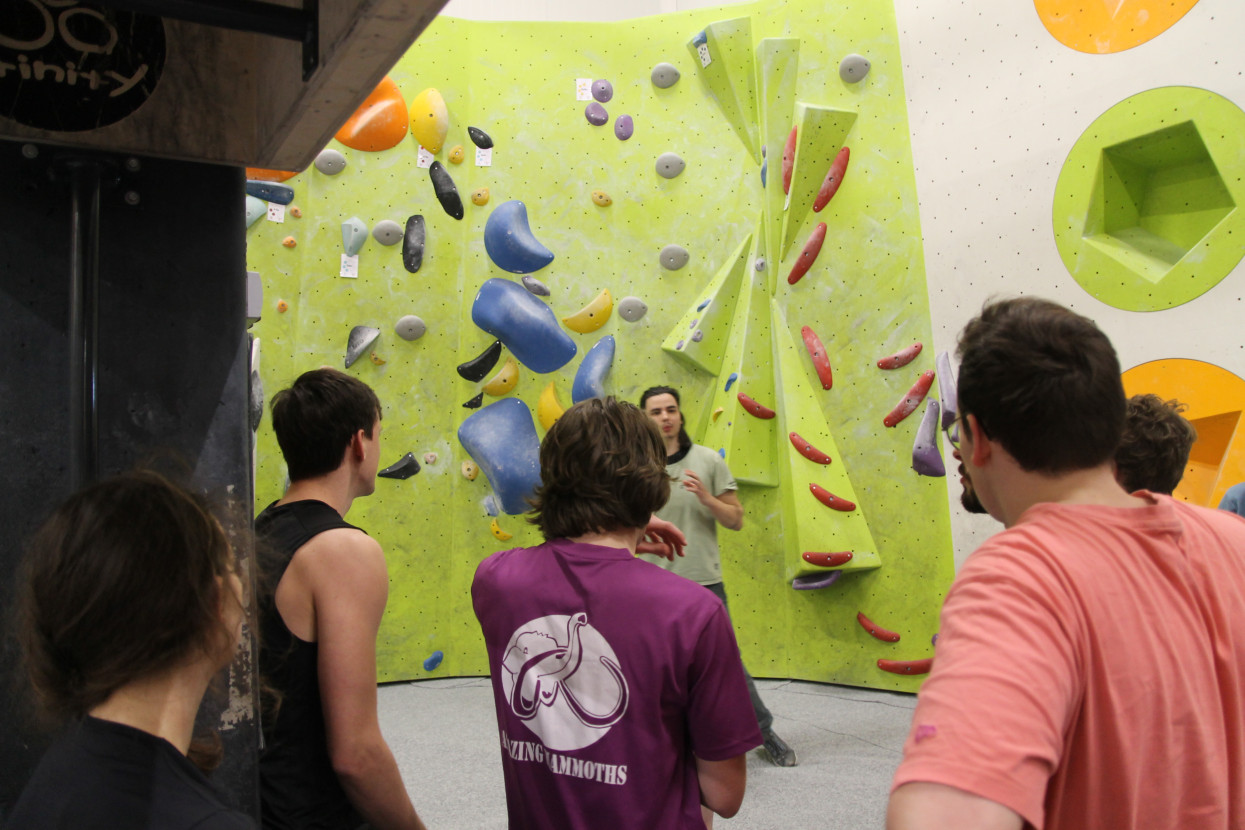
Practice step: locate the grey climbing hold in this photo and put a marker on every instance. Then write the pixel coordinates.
(759, 264)
(535, 286)
(413, 243)
(330, 162)
(354, 234)
(854, 68)
(490, 506)
(479, 138)
(404, 468)
(387, 232)
(664, 76)
(670, 165)
(674, 257)
(602, 90)
(361, 339)
(255, 208)
(631, 309)
(410, 327)
(624, 127)
(596, 114)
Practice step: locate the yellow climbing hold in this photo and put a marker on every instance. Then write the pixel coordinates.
(470, 470)
(377, 359)
(479, 197)
(456, 155)
(602, 198)
(548, 408)
(498, 532)
(504, 381)
(430, 120)
(717, 413)
(592, 316)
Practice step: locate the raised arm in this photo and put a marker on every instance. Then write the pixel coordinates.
(724, 506)
(350, 586)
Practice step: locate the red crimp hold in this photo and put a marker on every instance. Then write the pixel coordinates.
(828, 560)
(911, 400)
(906, 666)
(876, 630)
(834, 178)
(788, 160)
(821, 360)
(754, 408)
(831, 500)
(808, 450)
(809, 255)
(901, 358)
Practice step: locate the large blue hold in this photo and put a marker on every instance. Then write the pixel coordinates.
(501, 439)
(509, 241)
(282, 194)
(590, 379)
(524, 324)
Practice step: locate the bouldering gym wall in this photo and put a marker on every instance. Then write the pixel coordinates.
(725, 200)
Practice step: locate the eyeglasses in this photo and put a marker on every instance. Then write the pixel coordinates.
(952, 432)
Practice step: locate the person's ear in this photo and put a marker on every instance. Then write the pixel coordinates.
(358, 447)
(977, 443)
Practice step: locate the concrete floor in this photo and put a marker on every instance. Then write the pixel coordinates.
(444, 735)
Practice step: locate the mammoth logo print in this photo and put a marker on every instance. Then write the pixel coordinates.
(563, 680)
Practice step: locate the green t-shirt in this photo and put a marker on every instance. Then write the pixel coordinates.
(701, 561)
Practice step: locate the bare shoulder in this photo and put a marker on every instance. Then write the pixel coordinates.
(345, 554)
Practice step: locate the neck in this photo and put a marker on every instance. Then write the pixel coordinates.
(1019, 490)
(333, 489)
(672, 443)
(627, 539)
(164, 705)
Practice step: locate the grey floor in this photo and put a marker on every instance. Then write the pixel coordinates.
(444, 735)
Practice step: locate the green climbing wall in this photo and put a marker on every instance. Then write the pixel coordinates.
(865, 296)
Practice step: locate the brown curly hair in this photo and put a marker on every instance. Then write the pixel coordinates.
(1155, 448)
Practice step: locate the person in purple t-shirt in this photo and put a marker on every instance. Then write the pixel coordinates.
(619, 691)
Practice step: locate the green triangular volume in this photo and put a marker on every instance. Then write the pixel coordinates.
(822, 131)
(723, 54)
(701, 335)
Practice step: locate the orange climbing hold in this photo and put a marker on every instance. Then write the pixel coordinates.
(263, 174)
(380, 122)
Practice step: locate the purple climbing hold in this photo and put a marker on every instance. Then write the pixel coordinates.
(596, 114)
(694, 322)
(698, 336)
(678, 346)
(815, 581)
(602, 90)
(624, 127)
(926, 457)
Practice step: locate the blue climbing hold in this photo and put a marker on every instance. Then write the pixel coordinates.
(730, 381)
(501, 439)
(722, 451)
(282, 194)
(255, 208)
(509, 241)
(526, 326)
(703, 305)
(434, 660)
(590, 379)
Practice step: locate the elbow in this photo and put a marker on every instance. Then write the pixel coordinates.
(729, 809)
(738, 524)
(353, 763)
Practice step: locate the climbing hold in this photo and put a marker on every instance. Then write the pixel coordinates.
(590, 378)
(262, 173)
(946, 389)
(821, 360)
(679, 345)
(854, 68)
(670, 165)
(624, 127)
(360, 341)
(524, 324)
(664, 75)
(509, 241)
(704, 304)
(926, 456)
(809, 255)
(788, 160)
(548, 407)
(475, 402)
(479, 196)
(430, 120)
(501, 438)
(255, 208)
(282, 306)
(476, 368)
(296, 212)
(831, 500)
(378, 360)
(404, 468)
(456, 154)
(330, 162)
(289, 242)
(504, 382)
(717, 413)
(387, 232)
(430, 458)
(674, 257)
(379, 123)
(447, 193)
(479, 138)
(490, 505)
(282, 194)
(698, 336)
(602, 90)
(764, 172)
(834, 178)
(354, 234)
(730, 381)
(470, 470)
(410, 327)
(592, 316)
(596, 114)
(434, 660)
(758, 264)
(413, 239)
(875, 629)
(907, 666)
(900, 358)
(534, 286)
(496, 530)
(755, 409)
(816, 581)
(807, 450)
(909, 402)
(601, 198)
(827, 560)
(631, 309)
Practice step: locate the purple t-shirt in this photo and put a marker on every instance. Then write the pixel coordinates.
(608, 674)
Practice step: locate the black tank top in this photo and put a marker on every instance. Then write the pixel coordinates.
(297, 785)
